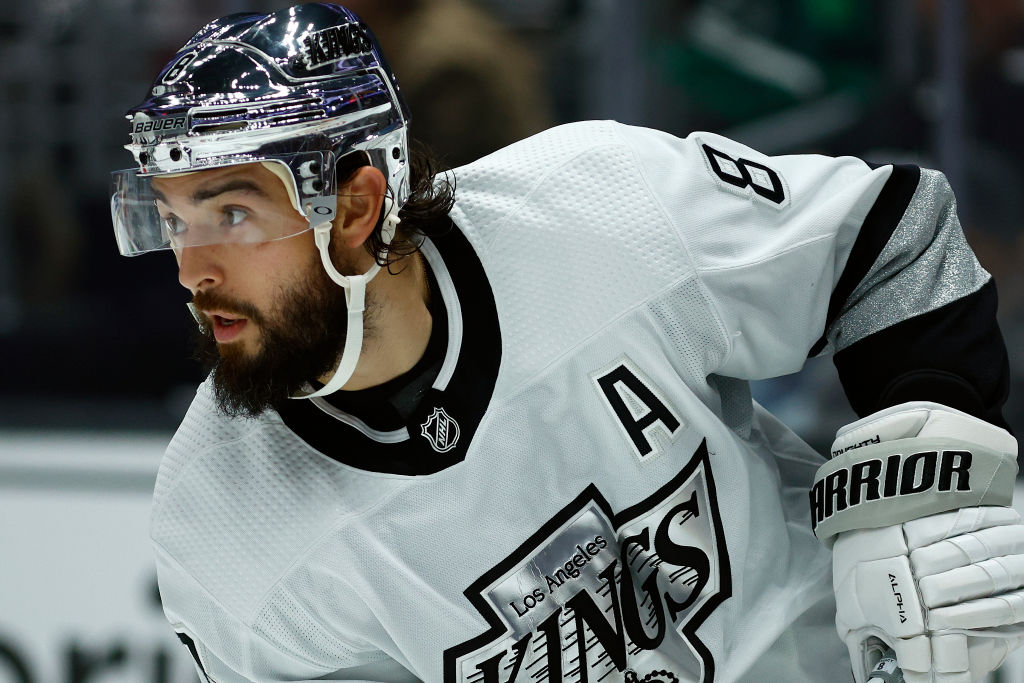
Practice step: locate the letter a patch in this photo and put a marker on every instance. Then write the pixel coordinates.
(643, 415)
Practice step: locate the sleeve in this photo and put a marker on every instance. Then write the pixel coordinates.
(913, 316)
(806, 254)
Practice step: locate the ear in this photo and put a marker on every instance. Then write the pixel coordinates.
(359, 204)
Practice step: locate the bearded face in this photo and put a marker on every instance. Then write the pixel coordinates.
(299, 339)
(272, 320)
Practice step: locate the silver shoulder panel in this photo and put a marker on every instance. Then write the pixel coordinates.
(926, 264)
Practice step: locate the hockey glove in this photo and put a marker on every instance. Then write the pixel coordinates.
(927, 558)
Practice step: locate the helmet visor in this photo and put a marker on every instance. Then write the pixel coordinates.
(241, 204)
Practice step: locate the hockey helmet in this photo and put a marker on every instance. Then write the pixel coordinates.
(297, 90)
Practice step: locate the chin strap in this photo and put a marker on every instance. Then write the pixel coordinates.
(355, 299)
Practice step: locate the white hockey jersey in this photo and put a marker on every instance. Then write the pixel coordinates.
(586, 492)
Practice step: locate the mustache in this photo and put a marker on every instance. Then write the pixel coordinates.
(220, 302)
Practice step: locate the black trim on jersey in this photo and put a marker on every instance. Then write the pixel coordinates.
(387, 407)
(879, 224)
(953, 355)
(725, 568)
(465, 398)
(190, 644)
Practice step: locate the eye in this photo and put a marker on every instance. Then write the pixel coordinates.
(234, 216)
(172, 224)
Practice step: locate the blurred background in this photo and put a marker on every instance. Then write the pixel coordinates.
(96, 368)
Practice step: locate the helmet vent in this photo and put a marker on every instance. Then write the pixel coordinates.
(297, 116)
(213, 127)
(288, 104)
(288, 117)
(218, 113)
(271, 113)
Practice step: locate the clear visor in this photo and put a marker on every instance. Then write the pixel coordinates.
(241, 204)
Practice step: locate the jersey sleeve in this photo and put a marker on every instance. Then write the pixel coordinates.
(807, 254)
(913, 316)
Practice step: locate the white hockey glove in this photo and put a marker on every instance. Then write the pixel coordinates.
(927, 557)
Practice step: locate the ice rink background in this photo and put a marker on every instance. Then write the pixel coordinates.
(78, 600)
(96, 370)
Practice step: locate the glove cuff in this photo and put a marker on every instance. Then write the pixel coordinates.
(892, 482)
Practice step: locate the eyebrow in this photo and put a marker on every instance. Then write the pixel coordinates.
(205, 193)
(234, 185)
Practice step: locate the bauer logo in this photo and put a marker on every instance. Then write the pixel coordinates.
(335, 44)
(163, 125)
(601, 595)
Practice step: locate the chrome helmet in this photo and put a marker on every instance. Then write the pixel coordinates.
(298, 91)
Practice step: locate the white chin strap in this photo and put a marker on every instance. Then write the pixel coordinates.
(355, 298)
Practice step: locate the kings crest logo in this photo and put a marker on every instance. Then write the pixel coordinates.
(440, 430)
(599, 595)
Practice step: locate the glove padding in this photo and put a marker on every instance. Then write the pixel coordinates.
(945, 591)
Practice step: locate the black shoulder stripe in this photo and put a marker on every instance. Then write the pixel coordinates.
(953, 355)
(190, 644)
(874, 234)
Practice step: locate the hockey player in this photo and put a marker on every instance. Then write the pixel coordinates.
(496, 427)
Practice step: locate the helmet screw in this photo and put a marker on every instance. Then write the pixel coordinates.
(317, 185)
(308, 169)
(175, 154)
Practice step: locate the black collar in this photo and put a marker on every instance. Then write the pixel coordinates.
(388, 406)
(436, 432)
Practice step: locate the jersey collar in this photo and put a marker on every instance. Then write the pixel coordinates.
(438, 432)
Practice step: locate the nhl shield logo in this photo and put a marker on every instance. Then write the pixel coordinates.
(441, 431)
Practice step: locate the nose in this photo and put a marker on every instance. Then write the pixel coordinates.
(199, 268)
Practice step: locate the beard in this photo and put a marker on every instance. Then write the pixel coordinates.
(300, 340)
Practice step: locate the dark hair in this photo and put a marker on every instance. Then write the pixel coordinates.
(424, 214)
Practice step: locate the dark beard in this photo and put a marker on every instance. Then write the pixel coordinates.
(301, 342)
